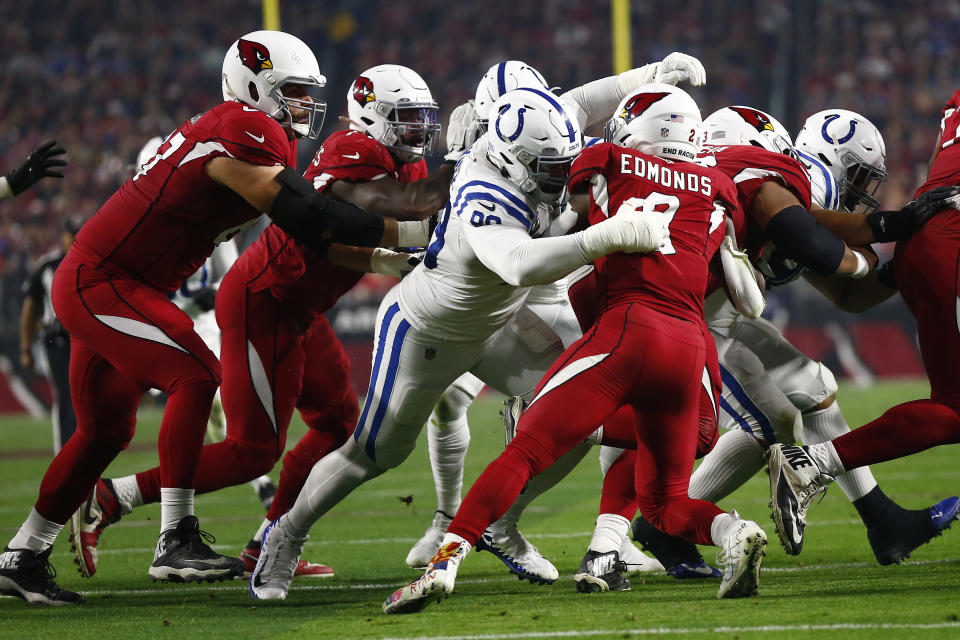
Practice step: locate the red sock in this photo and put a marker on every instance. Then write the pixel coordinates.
(903, 430)
(619, 494)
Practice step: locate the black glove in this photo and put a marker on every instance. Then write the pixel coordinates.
(40, 164)
(889, 226)
(205, 298)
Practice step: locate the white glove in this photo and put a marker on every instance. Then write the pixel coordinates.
(461, 131)
(631, 230)
(562, 224)
(413, 233)
(743, 282)
(392, 263)
(633, 78)
(677, 67)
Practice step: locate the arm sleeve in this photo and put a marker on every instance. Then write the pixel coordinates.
(594, 101)
(522, 261)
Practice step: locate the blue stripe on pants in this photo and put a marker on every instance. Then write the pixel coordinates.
(384, 325)
(748, 404)
(388, 381)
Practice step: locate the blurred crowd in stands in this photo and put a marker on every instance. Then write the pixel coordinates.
(103, 76)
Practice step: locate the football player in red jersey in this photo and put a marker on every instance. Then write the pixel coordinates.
(211, 177)
(279, 352)
(646, 349)
(926, 271)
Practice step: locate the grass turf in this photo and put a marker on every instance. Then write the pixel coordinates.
(833, 587)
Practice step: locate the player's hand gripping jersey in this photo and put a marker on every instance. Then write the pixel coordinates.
(694, 199)
(164, 221)
(306, 282)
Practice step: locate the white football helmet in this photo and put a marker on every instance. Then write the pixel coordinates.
(658, 119)
(505, 76)
(394, 106)
(852, 149)
(532, 140)
(259, 64)
(737, 125)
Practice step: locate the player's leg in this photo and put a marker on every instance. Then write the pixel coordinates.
(56, 347)
(522, 351)
(410, 371)
(669, 391)
(328, 405)
(448, 437)
(580, 390)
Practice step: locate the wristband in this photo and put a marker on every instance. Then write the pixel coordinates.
(863, 268)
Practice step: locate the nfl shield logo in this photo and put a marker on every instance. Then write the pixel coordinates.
(430, 353)
(664, 132)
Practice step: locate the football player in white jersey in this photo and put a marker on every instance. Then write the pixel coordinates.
(773, 393)
(448, 434)
(462, 308)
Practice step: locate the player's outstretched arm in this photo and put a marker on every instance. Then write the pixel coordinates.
(394, 199)
(290, 200)
(859, 296)
(801, 237)
(41, 163)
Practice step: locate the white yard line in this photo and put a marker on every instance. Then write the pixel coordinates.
(658, 631)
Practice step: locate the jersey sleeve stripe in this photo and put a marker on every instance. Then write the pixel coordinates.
(487, 197)
(474, 185)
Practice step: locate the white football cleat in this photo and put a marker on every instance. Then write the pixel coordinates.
(434, 585)
(739, 557)
(277, 564)
(426, 547)
(636, 560)
(522, 558)
(795, 480)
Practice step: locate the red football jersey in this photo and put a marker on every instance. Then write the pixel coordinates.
(306, 282)
(163, 222)
(946, 166)
(694, 198)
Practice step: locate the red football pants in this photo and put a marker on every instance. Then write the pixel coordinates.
(125, 338)
(927, 271)
(272, 362)
(631, 356)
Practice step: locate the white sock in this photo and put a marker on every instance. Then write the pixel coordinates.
(452, 537)
(175, 505)
(596, 437)
(825, 425)
(736, 457)
(258, 536)
(608, 455)
(723, 524)
(609, 533)
(36, 533)
(331, 480)
(128, 493)
(825, 455)
(448, 443)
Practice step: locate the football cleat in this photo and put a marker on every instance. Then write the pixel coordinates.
(637, 561)
(251, 553)
(183, 555)
(515, 551)
(100, 510)
(740, 556)
(680, 558)
(29, 576)
(795, 480)
(510, 414)
(426, 547)
(892, 543)
(265, 490)
(601, 572)
(434, 585)
(277, 564)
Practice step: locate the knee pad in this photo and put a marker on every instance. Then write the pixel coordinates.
(608, 455)
(806, 386)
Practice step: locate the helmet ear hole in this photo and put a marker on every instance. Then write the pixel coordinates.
(254, 94)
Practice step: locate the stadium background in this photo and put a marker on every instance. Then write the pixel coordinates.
(103, 76)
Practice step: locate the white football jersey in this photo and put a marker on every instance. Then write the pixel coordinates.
(453, 294)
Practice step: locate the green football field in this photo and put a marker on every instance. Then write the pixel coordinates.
(834, 589)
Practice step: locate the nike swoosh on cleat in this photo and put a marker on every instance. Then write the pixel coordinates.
(259, 138)
(86, 512)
